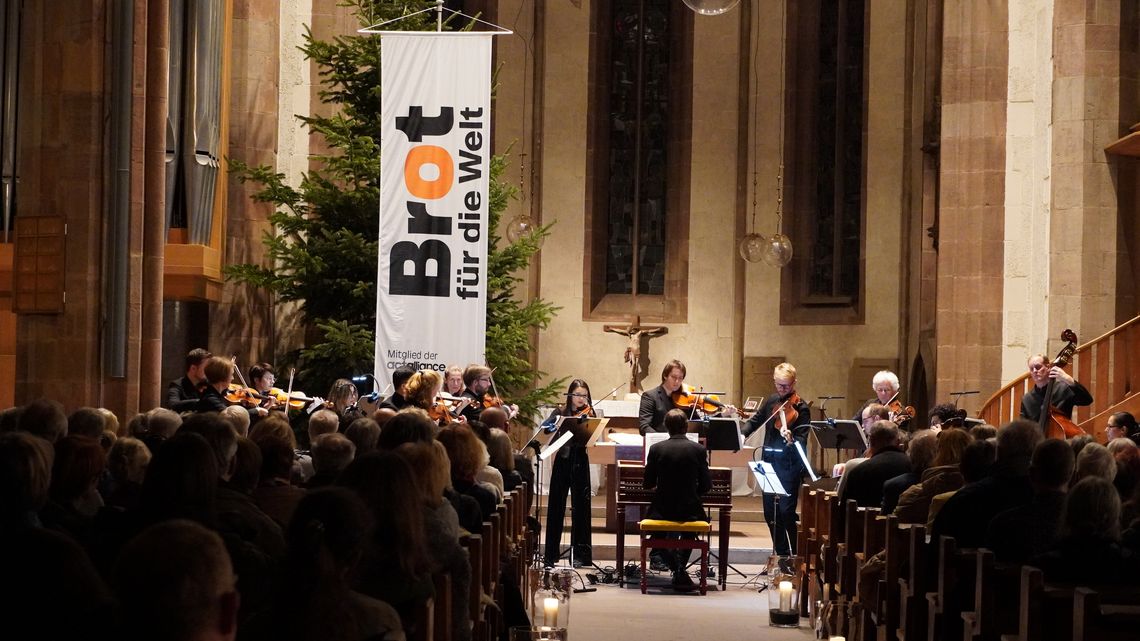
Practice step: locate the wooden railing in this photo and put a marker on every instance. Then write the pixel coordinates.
(1109, 366)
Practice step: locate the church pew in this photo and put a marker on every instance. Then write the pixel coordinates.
(913, 586)
(424, 621)
(888, 598)
(978, 614)
(442, 606)
(845, 551)
(474, 545)
(827, 545)
(954, 587)
(1109, 615)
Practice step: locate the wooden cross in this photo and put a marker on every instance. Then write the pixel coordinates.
(635, 331)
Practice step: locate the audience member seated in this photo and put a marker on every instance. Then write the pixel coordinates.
(50, 589)
(1095, 460)
(886, 461)
(321, 422)
(364, 434)
(86, 421)
(1079, 442)
(396, 566)
(275, 493)
(983, 432)
(1118, 445)
(174, 581)
(10, 418)
(44, 418)
(382, 415)
(942, 476)
(411, 425)
(1021, 533)
(502, 453)
(441, 527)
(154, 427)
(967, 514)
(920, 450)
(1089, 550)
(247, 467)
(238, 418)
(111, 422)
(1127, 482)
(468, 456)
(79, 462)
(331, 454)
(127, 463)
(314, 599)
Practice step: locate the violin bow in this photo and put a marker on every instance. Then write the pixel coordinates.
(289, 392)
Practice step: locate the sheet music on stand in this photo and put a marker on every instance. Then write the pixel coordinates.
(552, 449)
(807, 465)
(766, 478)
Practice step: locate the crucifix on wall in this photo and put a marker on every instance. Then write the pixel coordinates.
(636, 332)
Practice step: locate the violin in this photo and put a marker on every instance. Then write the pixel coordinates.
(898, 412)
(238, 394)
(292, 400)
(444, 411)
(1053, 421)
(688, 397)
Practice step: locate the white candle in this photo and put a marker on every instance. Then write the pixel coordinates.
(550, 611)
(837, 639)
(785, 596)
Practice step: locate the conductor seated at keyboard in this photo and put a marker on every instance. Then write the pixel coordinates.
(677, 469)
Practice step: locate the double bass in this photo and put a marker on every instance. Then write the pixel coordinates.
(1053, 421)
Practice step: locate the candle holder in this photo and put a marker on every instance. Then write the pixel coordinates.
(538, 633)
(784, 591)
(839, 620)
(549, 604)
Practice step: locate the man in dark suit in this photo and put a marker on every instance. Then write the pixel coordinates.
(658, 401)
(678, 470)
(183, 393)
(865, 482)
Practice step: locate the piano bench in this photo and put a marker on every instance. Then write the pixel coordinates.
(650, 527)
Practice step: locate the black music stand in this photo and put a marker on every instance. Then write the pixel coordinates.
(839, 435)
(723, 434)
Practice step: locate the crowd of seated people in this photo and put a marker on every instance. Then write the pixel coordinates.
(1067, 507)
(214, 523)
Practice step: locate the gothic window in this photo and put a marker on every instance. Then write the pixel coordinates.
(637, 224)
(826, 109)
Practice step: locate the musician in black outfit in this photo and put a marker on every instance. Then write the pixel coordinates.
(182, 394)
(1067, 392)
(400, 376)
(571, 472)
(659, 400)
(677, 470)
(780, 451)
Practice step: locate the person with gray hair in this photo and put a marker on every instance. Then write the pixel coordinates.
(1096, 460)
(331, 454)
(238, 417)
(967, 514)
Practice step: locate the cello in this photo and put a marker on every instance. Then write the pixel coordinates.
(1053, 421)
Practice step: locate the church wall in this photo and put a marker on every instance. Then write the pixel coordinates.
(823, 354)
(1028, 140)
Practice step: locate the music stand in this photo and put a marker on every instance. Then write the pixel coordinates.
(769, 483)
(723, 434)
(839, 435)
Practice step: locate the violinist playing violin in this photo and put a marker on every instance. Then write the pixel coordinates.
(479, 388)
(658, 401)
(571, 472)
(261, 378)
(1067, 392)
(219, 374)
(785, 417)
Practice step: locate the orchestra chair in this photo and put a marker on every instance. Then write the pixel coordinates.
(651, 531)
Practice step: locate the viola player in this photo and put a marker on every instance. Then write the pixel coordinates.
(885, 384)
(786, 418)
(658, 401)
(1067, 392)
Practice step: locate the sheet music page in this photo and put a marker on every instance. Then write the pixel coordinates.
(766, 478)
(554, 447)
(804, 458)
(621, 438)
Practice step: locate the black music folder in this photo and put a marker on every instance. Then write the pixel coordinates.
(723, 434)
(839, 435)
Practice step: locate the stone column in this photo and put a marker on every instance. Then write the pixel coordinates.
(971, 224)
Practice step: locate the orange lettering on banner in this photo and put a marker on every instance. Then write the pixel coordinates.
(428, 155)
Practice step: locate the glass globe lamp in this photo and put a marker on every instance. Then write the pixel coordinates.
(518, 227)
(711, 7)
(777, 250)
(752, 247)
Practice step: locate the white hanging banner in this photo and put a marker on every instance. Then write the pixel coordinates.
(431, 304)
